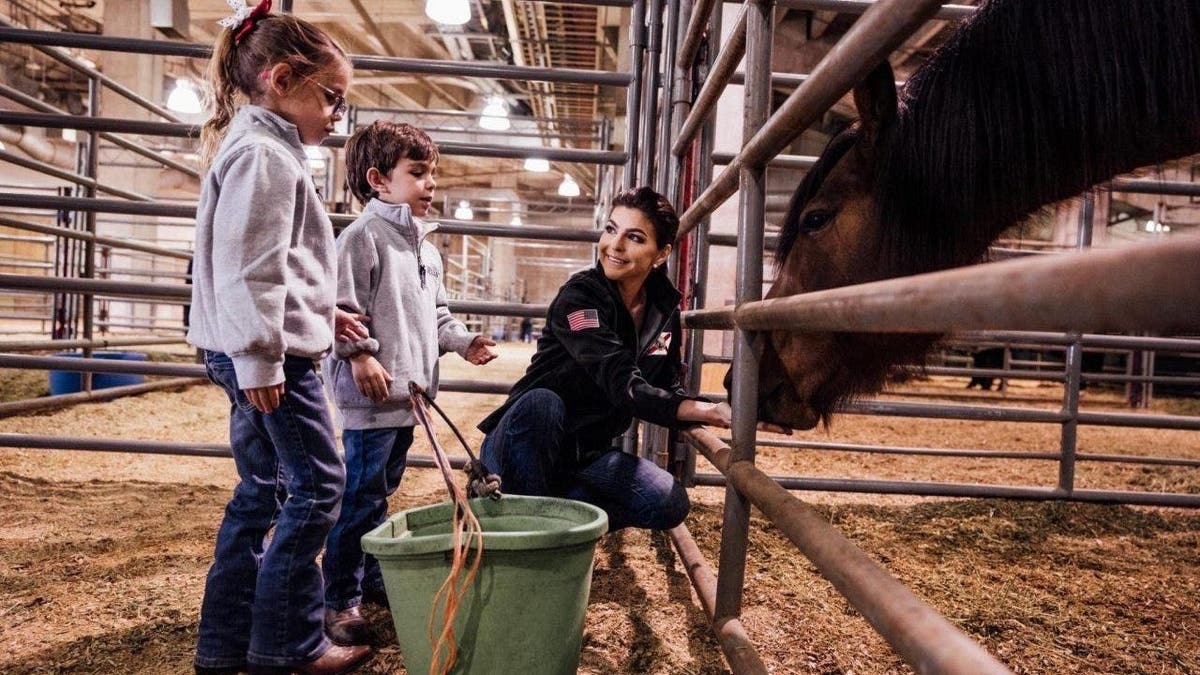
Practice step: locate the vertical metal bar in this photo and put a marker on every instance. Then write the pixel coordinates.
(633, 97)
(680, 103)
(1074, 366)
(650, 95)
(662, 175)
(744, 398)
(89, 260)
(701, 177)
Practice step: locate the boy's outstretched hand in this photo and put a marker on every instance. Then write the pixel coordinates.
(480, 351)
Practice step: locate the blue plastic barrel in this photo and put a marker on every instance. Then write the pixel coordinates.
(67, 382)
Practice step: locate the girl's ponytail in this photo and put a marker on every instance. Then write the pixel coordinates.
(222, 97)
(244, 51)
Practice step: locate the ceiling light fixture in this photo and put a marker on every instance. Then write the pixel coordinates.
(537, 164)
(184, 99)
(568, 187)
(495, 115)
(448, 12)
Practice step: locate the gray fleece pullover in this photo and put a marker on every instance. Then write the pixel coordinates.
(263, 282)
(390, 272)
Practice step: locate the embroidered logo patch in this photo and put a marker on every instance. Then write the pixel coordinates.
(582, 319)
(661, 345)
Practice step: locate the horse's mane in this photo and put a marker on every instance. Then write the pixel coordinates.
(1028, 103)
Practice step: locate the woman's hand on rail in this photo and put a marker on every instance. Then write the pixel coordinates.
(718, 415)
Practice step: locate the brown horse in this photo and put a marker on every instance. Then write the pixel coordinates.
(1028, 103)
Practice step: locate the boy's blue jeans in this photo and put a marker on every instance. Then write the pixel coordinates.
(374, 466)
(533, 455)
(262, 601)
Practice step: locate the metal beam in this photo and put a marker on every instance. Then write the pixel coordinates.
(921, 636)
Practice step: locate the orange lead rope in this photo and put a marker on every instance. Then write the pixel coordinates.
(468, 535)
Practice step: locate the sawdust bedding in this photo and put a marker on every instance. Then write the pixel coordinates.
(103, 555)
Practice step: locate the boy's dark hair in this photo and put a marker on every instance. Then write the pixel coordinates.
(657, 209)
(381, 144)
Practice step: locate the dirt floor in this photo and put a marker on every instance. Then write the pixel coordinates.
(103, 555)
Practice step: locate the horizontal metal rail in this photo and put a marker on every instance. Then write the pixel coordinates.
(178, 210)
(731, 634)
(921, 636)
(992, 413)
(1126, 342)
(804, 162)
(976, 454)
(182, 292)
(880, 30)
(99, 343)
(120, 141)
(81, 235)
(1154, 187)
(947, 12)
(11, 408)
(177, 130)
(74, 63)
(361, 62)
(190, 370)
(62, 174)
(971, 490)
(1161, 299)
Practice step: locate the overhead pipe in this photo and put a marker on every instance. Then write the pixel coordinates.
(193, 131)
(359, 61)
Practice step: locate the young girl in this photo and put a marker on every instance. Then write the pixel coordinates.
(263, 295)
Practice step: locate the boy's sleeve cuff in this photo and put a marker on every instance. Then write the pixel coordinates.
(344, 350)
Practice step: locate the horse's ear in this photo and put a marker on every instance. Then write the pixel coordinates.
(875, 98)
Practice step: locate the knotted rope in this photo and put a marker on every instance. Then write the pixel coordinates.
(468, 534)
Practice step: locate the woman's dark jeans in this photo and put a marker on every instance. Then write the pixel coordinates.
(534, 456)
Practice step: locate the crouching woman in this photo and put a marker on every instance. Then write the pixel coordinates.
(610, 352)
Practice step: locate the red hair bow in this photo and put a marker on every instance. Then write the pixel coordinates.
(260, 10)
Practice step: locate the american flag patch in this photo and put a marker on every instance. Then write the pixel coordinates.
(582, 319)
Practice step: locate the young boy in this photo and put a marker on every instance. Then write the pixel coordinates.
(388, 271)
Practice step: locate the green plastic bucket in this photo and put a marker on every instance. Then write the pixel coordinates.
(524, 613)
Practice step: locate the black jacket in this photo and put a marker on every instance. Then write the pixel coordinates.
(606, 374)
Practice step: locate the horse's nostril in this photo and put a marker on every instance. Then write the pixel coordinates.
(728, 382)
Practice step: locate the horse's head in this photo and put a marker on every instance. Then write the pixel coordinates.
(831, 237)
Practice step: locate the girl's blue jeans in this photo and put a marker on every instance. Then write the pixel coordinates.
(533, 455)
(263, 600)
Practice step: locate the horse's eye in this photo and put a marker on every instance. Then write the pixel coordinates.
(815, 220)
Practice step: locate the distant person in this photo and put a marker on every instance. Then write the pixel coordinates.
(991, 358)
(389, 271)
(262, 309)
(609, 352)
(527, 330)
